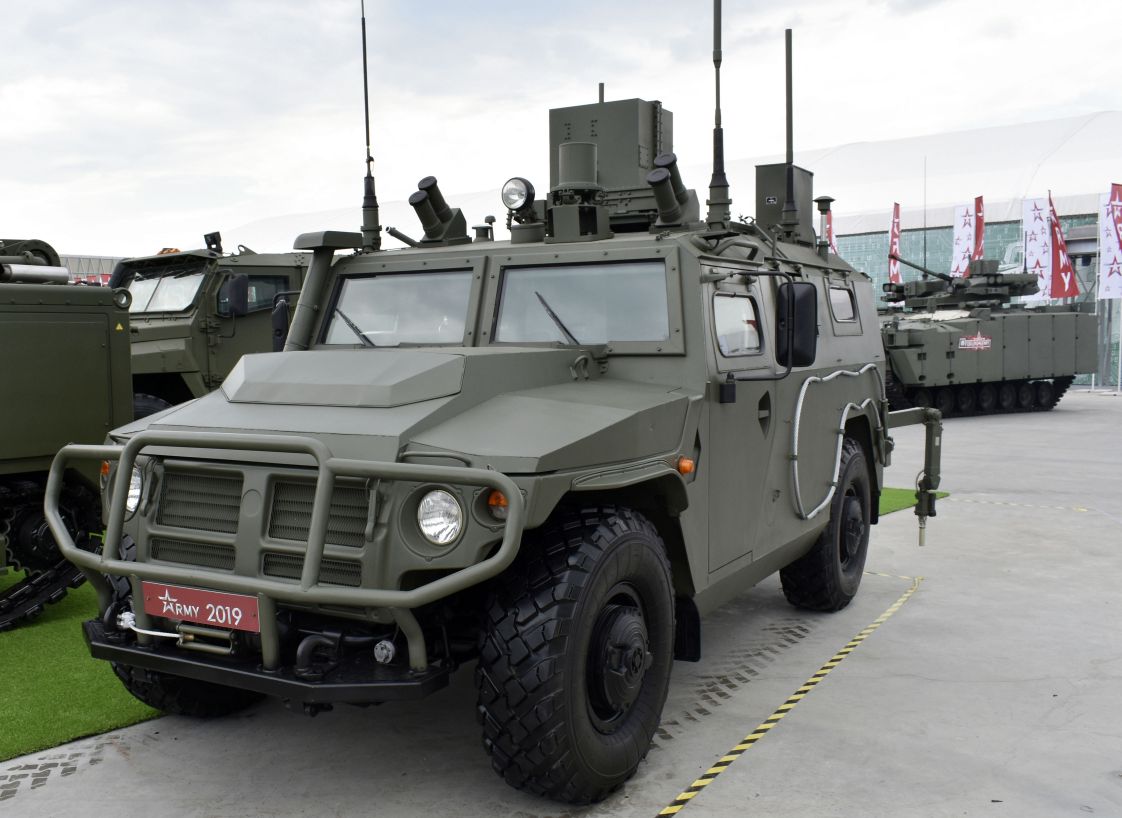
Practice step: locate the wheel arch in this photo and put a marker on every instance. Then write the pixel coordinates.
(860, 429)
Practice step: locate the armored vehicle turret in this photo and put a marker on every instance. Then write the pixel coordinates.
(963, 346)
(546, 456)
(195, 313)
(66, 380)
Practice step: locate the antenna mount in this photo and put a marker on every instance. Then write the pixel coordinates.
(719, 201)
(371, 229)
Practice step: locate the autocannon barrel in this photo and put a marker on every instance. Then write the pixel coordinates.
(33, 274)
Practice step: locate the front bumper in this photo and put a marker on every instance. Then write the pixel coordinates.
(309, 590)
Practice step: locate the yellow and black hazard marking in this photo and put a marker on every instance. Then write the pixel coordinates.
(890, 576)
(725, 761)
(1079, 509)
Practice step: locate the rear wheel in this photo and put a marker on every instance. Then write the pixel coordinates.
(920, 397)
(575, 658)
(966, 398)
(827, 577)
(1007, 397)
(144, 405)
(183, 697)
(987, 398)
(944, 400)
(1045, 395)
(1025, 395)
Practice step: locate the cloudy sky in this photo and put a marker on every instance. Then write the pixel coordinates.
(131, 125)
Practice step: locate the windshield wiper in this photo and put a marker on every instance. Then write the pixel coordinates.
(560, 325)
(354, 328)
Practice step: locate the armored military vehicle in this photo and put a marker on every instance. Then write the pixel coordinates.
(548, 455)
(66, 379)
(195, 313)
(962, 345)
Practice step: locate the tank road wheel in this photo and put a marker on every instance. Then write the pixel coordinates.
(966, 398)
(944, 400)
(575, 655)
(1045, 395)
(183, 697)
(145, 405)
(827, 577)
(920, 398)
(987, 398)
(1025, 395)
(1007, 397)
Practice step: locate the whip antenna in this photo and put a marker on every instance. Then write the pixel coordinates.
(371, 229)
(718, 185)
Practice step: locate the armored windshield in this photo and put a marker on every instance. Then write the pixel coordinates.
(164, 294)
(401, 308)
(584, 303)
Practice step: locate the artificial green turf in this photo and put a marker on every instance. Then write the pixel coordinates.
(897, 499)
(51, 689)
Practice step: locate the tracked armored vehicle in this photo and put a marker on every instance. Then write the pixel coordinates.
(962, 345)
(195, 313)
(546, 456)
(66, 380)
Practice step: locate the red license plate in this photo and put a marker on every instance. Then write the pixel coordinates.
(231, 611)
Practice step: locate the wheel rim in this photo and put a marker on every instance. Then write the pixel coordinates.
(1007, 397)
(966, 399)
(618, 659)
(1024, 396)
(853, 530)
(987, 398)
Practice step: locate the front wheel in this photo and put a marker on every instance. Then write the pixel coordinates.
(575, 657)
(827, 577)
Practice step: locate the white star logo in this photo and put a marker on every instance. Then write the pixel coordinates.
(168, 600)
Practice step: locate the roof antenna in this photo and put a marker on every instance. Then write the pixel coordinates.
(371, 229)
(719, 200)
(790, 219)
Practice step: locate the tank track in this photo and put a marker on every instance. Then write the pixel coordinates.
(40, 587)
(1059, 386)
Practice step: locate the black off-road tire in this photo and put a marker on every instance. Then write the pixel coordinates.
(590, 590)
(827, 577)
(183, 697)
(144, 405)
(944, 400)
(1045, 395)
(1007, 397)
(1026, 395)
(987, 398)
(966, 399)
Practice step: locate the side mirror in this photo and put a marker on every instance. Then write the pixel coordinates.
(280, 324)
(233, 297)
(796, 321)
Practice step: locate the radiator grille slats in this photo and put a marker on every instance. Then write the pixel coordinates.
(207, 502)
(203, 555)
(331, 571)
(291, 515)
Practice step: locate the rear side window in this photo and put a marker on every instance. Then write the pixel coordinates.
(841, 304)
(736, 322)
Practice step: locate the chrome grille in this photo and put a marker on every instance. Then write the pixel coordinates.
(204, 555)
(208, 502)
(331, 572)
(291, 515)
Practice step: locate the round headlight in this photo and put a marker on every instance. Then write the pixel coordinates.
(440, 517)
(517, 193)
(136, 484)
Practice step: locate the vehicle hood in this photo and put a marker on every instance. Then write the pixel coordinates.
(518, 410)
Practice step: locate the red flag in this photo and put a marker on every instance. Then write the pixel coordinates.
(1064, 284)
(894, 247)
(830, 232)
(979, 232)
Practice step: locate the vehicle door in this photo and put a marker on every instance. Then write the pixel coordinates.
(252, 332)
(742, 422)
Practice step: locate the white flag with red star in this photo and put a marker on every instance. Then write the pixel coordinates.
(894, 247)
(1064, 283)
(963, 241)
(1110, 243)
(1036, 232)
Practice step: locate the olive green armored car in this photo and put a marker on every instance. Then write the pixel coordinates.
(195, 313)
(66, 380)
(546, 456)
(962, 345)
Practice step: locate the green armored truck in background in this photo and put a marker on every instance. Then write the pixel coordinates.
(195, 313)
(547, 456)
(66, 380)
(962, 346)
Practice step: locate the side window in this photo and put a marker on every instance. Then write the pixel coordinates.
(262, 288)
(736, 323)
(841, 304)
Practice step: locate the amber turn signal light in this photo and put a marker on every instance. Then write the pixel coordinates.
(686, 465)
(497, 504)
